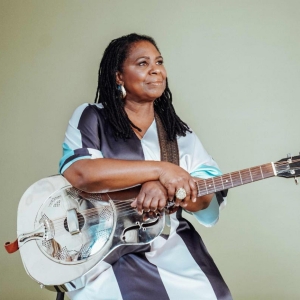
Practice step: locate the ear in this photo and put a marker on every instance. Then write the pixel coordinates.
(119, 78)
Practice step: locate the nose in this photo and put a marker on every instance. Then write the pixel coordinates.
(155, 69)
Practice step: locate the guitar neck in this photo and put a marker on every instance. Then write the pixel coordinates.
(234, 179)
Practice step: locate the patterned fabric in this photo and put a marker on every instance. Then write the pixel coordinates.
(173, 267)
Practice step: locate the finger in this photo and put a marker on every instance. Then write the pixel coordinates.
(154, 204)
(146, 203)
(162, 204)
(139, 202)
(133, 203)
(183, 204)
(171, 193)
(188, 192)
(194, 190)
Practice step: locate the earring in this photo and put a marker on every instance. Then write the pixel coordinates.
(122, 89)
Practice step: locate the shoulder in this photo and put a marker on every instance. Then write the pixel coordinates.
(189, 138)
(89, 107)
(87, 110)
(190, 144)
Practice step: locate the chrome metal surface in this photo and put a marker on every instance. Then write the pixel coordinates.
(81, 226)
(63, 233)
(39, 233)
(72, 221)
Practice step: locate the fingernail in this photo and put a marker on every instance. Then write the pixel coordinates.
(195, 199)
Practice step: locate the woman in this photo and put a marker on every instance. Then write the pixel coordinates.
(113, 145)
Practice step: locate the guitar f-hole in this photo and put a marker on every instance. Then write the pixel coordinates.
(139, 225)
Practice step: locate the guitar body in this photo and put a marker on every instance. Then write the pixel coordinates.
(63, 232)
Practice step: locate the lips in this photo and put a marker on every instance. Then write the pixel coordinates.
(156, 83)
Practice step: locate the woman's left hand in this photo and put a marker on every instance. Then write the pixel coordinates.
(152, 196)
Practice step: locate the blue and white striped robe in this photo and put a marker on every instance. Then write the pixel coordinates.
(174, 267)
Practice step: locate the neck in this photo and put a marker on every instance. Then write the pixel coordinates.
(234, 179)
(139, 110)
(141, 115)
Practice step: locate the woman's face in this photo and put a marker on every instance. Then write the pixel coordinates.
(143, 74)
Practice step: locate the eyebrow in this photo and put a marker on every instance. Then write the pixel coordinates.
(148, 57)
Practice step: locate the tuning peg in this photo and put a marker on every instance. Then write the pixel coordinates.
(296, 180)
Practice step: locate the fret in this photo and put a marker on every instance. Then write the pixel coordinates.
(261, 172)
(231, 180)
(246, 176)
(250, 174)
(241, 177)
(234, 179)
(226, 181)
(218, 183)
(199, 183)
(202, 189)
(210, 185)
(221, 177)
(206, 186)
(256, 173)
(268, 170)
(213, 180)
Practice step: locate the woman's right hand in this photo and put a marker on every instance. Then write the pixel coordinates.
(152, 197)
(173, 177)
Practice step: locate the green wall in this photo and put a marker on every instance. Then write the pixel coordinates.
(234, 70)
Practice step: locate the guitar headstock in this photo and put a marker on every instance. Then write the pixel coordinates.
(288, 167)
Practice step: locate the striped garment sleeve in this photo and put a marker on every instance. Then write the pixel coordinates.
(82, 139)
(207, 169)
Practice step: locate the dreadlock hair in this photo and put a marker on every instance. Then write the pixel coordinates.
(110, 95)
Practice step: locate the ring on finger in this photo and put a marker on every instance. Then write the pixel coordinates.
(180, 193)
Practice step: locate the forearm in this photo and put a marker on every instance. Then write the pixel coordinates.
(104, 174)
(201, 203)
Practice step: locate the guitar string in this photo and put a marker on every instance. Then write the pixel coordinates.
(122, 207)
(214, 181)
(95, 214)
(116, 204)
(91, 211)
(87, 212)
(218, 186)
(90, 215)
(61, 229)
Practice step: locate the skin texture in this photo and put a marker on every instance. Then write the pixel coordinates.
(144, 78)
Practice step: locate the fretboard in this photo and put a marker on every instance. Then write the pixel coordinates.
(230, 180)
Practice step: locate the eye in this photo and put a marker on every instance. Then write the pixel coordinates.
(142, 63)
(160, 62)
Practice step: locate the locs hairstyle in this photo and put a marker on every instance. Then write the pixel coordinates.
(111, 97)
